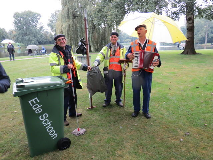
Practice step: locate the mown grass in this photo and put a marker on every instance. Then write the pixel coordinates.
(180, 128)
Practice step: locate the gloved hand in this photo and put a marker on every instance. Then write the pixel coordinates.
(125, 66)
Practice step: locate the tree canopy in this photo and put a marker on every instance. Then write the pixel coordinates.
(27, 29)
(105, 15)
(203, 31)
(3, 34)
(26, 26)
(53, 20)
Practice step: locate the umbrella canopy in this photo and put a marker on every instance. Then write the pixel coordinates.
(159, 28)
(32, 47)
(7, 41)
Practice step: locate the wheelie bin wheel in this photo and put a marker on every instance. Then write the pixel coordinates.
(63, 143)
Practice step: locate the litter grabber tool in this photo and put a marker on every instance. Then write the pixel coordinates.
(87, 51)
(125, 66)
(78, 131)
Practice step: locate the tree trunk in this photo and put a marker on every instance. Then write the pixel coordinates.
(206, 35)
(189, 47)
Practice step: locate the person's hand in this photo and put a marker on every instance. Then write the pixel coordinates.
(70, 66)
(155, 62)
(130, 56)
(89, 68)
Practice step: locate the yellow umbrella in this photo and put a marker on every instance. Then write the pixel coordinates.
(159, 28)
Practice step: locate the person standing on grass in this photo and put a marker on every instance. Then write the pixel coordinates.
(111, 54)
(11, 50)
(142, 77)
(4, 80)
(63, 63)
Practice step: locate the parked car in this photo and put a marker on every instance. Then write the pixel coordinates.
(182, 46)
(32, 50)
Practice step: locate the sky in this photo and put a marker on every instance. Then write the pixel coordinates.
(43, 7)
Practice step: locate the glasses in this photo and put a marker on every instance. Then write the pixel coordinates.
(62, 39)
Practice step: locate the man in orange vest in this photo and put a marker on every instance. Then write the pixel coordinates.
(111, 54)
(142, 77)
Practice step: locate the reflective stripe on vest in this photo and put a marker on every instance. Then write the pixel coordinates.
(135, 48)
(102, 54)
(107, 55)
(113, 62)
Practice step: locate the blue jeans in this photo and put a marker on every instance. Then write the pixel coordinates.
(11, 56)
(141, 79)
(117, 77)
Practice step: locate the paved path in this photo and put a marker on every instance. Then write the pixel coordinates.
(22, 59)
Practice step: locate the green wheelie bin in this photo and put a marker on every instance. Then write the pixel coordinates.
(42, 105)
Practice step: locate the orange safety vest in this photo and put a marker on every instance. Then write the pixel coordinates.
(73, 70)
(150, 47)
(113, 61)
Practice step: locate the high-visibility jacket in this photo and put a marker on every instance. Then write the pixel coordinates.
(57, 64)
(150, 47)
(110, 61)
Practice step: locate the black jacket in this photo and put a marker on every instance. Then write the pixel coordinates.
(10, 49)
(4, 80)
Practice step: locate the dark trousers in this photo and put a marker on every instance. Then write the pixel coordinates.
(69, 102)
(141, 79)
(11, 56)
(117, 77)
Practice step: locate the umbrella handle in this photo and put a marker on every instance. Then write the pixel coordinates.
(124, 87)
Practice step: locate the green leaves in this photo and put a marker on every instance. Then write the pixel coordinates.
(104, 16)
(26, 27)
(53, 20)
(3, 34)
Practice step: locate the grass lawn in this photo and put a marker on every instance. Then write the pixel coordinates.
(181, 106)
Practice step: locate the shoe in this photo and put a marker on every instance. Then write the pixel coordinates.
(135, 114)
(66, 123)
(147, 115)
(120, 104)
(74, 115)
(105, 104)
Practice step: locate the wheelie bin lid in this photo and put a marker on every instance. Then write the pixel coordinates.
(24, 86)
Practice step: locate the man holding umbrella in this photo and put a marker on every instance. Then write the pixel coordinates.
(64, 64)
(142, 77)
